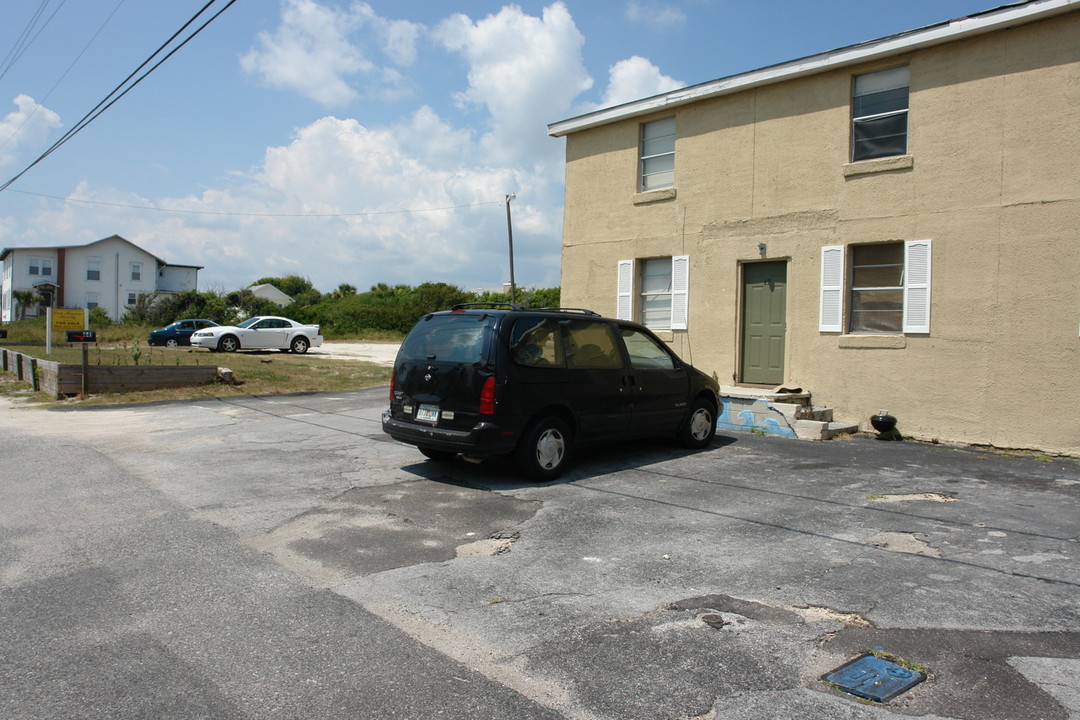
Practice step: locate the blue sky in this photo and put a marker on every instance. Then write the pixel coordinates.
(358, 142)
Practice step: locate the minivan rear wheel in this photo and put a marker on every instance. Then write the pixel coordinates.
(437, 455)
(545, 449)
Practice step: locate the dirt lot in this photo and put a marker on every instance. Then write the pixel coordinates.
(381, 353)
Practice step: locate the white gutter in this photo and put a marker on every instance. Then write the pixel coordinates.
(989, 21)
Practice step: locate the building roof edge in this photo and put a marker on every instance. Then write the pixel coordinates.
(999, 18)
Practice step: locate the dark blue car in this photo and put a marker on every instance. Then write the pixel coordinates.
(179, 333)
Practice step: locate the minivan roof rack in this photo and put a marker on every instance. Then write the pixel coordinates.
(489, 305)
(583, 311)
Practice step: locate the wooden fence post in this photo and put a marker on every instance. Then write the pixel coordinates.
(85, 372)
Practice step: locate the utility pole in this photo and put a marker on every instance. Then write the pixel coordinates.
(510, 235)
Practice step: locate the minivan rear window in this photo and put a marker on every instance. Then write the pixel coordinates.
(449, 338)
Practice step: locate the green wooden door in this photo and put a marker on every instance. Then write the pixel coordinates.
(764, 322)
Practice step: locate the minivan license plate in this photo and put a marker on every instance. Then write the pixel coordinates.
(428, 413)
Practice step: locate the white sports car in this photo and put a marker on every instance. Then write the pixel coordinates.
(259, 333)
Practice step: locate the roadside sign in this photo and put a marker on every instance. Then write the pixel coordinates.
(67, 319)
(64, 319)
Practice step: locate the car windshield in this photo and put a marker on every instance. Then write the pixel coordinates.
(449, 338)
(249, 322)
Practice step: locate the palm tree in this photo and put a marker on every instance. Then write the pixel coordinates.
(25, 299)
(344, 290)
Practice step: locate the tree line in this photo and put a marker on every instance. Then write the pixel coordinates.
(342, 312)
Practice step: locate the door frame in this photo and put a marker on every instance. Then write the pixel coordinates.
(740, 320)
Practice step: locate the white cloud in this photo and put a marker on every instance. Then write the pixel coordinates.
(524, 70)
(313, 52)
(654, 14)
(406, 201)
(636, 78)
(397, 37)
(26, 127)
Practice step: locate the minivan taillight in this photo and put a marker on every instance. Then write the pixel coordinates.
(487, 397)
(393, 378)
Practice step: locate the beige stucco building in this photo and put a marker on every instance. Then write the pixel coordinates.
(892, 225)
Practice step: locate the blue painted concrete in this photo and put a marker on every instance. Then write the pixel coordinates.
(743, 415)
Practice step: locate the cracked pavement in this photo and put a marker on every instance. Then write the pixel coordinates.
(280, 557)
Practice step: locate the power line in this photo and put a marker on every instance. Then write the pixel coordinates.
(78, 57)
(106, 103)
(365, 213)
(22, 44)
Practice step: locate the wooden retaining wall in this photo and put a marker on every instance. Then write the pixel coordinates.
(61, 380)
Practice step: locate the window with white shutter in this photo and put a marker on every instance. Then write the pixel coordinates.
(624, 298)
(886, 287)
(661, 287)
(680, 291)
(830, 318)
(917, 286)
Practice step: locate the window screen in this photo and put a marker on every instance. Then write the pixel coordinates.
(658, 154)
(877, 288)
(879, 110)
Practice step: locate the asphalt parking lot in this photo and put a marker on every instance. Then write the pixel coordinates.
(280, 557)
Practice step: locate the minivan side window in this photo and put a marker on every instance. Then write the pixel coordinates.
(644, 352)
(591, 345)
(535, 342)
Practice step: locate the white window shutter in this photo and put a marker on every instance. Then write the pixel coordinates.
(831, 318)
(680, 291)
(917, 286)
(624, 294)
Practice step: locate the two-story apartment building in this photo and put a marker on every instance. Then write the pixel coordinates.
(111, 273)
(891, 225)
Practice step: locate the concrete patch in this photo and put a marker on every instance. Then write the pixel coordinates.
(1058, 676)
(372, 529)
(910, 497)
(823, 614)
(485, 548)
(903, 543)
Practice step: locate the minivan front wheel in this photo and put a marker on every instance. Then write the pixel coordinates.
(699, 428)
(545, 449)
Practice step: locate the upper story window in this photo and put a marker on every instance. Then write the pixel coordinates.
(40, 266)
(660, 287)
(879, 114)
(657, 155)
(136, 271)
(93, 270)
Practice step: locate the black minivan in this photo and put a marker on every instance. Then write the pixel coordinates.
(490, 379)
